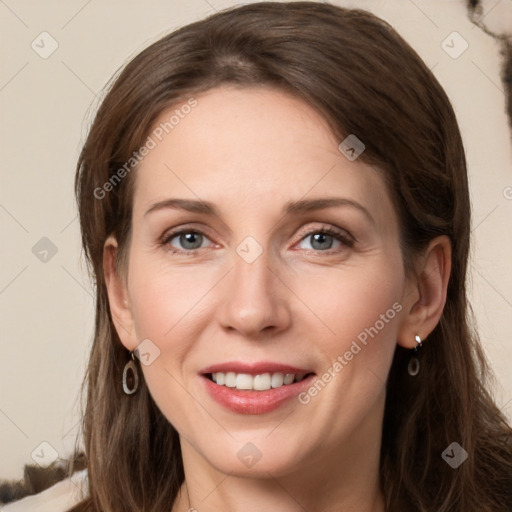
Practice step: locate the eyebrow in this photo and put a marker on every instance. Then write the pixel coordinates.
(292, 207)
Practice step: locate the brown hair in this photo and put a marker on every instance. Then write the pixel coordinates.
(364, 79)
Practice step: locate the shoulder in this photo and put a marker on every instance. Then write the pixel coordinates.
(58, 498)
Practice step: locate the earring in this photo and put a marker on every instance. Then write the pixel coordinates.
(134, 379)
(413, 368)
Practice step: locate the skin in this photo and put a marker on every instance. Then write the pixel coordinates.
(250, 151)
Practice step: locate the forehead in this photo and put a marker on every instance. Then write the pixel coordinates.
(251, 147)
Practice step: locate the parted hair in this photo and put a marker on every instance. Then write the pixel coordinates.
(364, 79)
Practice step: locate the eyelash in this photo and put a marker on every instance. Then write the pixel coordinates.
(338, 235)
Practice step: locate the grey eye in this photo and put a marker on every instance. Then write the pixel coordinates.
(319, 241)
(187, 240)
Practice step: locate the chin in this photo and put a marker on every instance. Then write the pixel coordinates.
(255, 457)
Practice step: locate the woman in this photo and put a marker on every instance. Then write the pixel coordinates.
(275, 207)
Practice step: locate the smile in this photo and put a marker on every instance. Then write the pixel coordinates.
(261, 382)
(256, 388)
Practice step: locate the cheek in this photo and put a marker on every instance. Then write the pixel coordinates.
(160, 295)
(358, 317)
(350, 300)
(167, 307)
(354, 307)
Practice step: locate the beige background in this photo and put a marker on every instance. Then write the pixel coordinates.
(46, 106)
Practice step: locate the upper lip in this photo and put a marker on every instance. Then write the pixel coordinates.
(256, 368)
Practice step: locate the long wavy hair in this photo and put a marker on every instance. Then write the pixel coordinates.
(363, 78)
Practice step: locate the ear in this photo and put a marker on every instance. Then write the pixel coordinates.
(118, 295)
(425, 294)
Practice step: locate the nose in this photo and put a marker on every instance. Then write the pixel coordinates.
(254, 301)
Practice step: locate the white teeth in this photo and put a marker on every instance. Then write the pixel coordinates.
(243, 381)
(261, 382)
(229, 379)
(289, 378)
(277, 380)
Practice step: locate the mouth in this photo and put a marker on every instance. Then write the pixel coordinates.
(255, 388)
(259, 382)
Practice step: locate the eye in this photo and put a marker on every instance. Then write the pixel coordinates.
(186, 240)
(324, 239)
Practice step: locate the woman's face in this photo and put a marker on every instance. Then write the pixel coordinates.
(258, 250)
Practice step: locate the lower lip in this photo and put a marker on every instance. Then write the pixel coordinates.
(255, 402)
